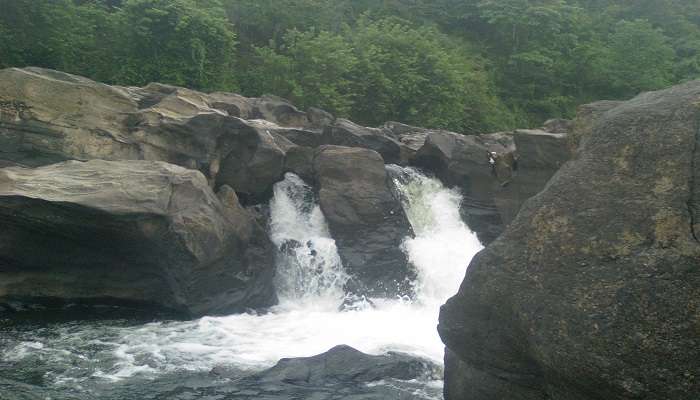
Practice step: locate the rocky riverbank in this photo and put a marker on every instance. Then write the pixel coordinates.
(166, 211)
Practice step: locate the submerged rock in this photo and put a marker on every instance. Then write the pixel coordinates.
(365, 219)
(133, 231)
(344, 364)
(593, 291)
(340, 373)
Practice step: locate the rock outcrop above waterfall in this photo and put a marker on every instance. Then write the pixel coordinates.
(494, 187)
(365, 219)
(593, 291)
(133, 231)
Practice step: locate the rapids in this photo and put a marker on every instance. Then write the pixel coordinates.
(108, 358)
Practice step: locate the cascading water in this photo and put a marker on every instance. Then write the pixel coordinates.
(309, 270)
(87, 359)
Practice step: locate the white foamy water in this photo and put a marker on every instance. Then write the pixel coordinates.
(310, 280)
(309, 270)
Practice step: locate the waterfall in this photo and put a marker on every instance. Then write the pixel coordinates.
(443, 245)
(309, 270)
(307, 321)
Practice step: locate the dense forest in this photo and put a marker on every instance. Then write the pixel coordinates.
(466, 65)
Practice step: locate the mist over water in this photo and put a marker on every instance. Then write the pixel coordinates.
(306, 322)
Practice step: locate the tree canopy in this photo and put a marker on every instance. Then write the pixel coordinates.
(466, 65)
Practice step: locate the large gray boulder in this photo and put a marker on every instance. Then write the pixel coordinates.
(365, 219)
(48, 116)
(593, 291)
(137, 231)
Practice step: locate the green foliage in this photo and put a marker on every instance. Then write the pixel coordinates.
(465, 65)
(182, 42)
(381, 70)
(637, 58)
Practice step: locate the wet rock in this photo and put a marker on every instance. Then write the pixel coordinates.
(586, 117)
(340, 373)
(365, 219)
(538, 155)
(463, 161)
(254, 161)
(496, 172)
(345, 364)
(134, 231)
(303, 137)
(593, 290)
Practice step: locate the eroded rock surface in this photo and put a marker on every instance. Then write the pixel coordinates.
(365, 219)
(593, 291)
(132, 231)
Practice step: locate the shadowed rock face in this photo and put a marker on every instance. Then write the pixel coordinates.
(593, 291)
(525, 160)
(135, 231)
(365, 219)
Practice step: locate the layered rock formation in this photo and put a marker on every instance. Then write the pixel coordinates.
(593, 291)
(136, 231)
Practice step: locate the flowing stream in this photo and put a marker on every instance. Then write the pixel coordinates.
(127, 357)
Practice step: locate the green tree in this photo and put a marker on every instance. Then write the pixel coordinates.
(181, 42)
(638, 57)
(382, 70)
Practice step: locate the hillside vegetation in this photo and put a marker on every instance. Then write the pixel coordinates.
(466, 65)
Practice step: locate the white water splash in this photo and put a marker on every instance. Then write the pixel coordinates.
(309, 270)
(307, 321)
(443, 245)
